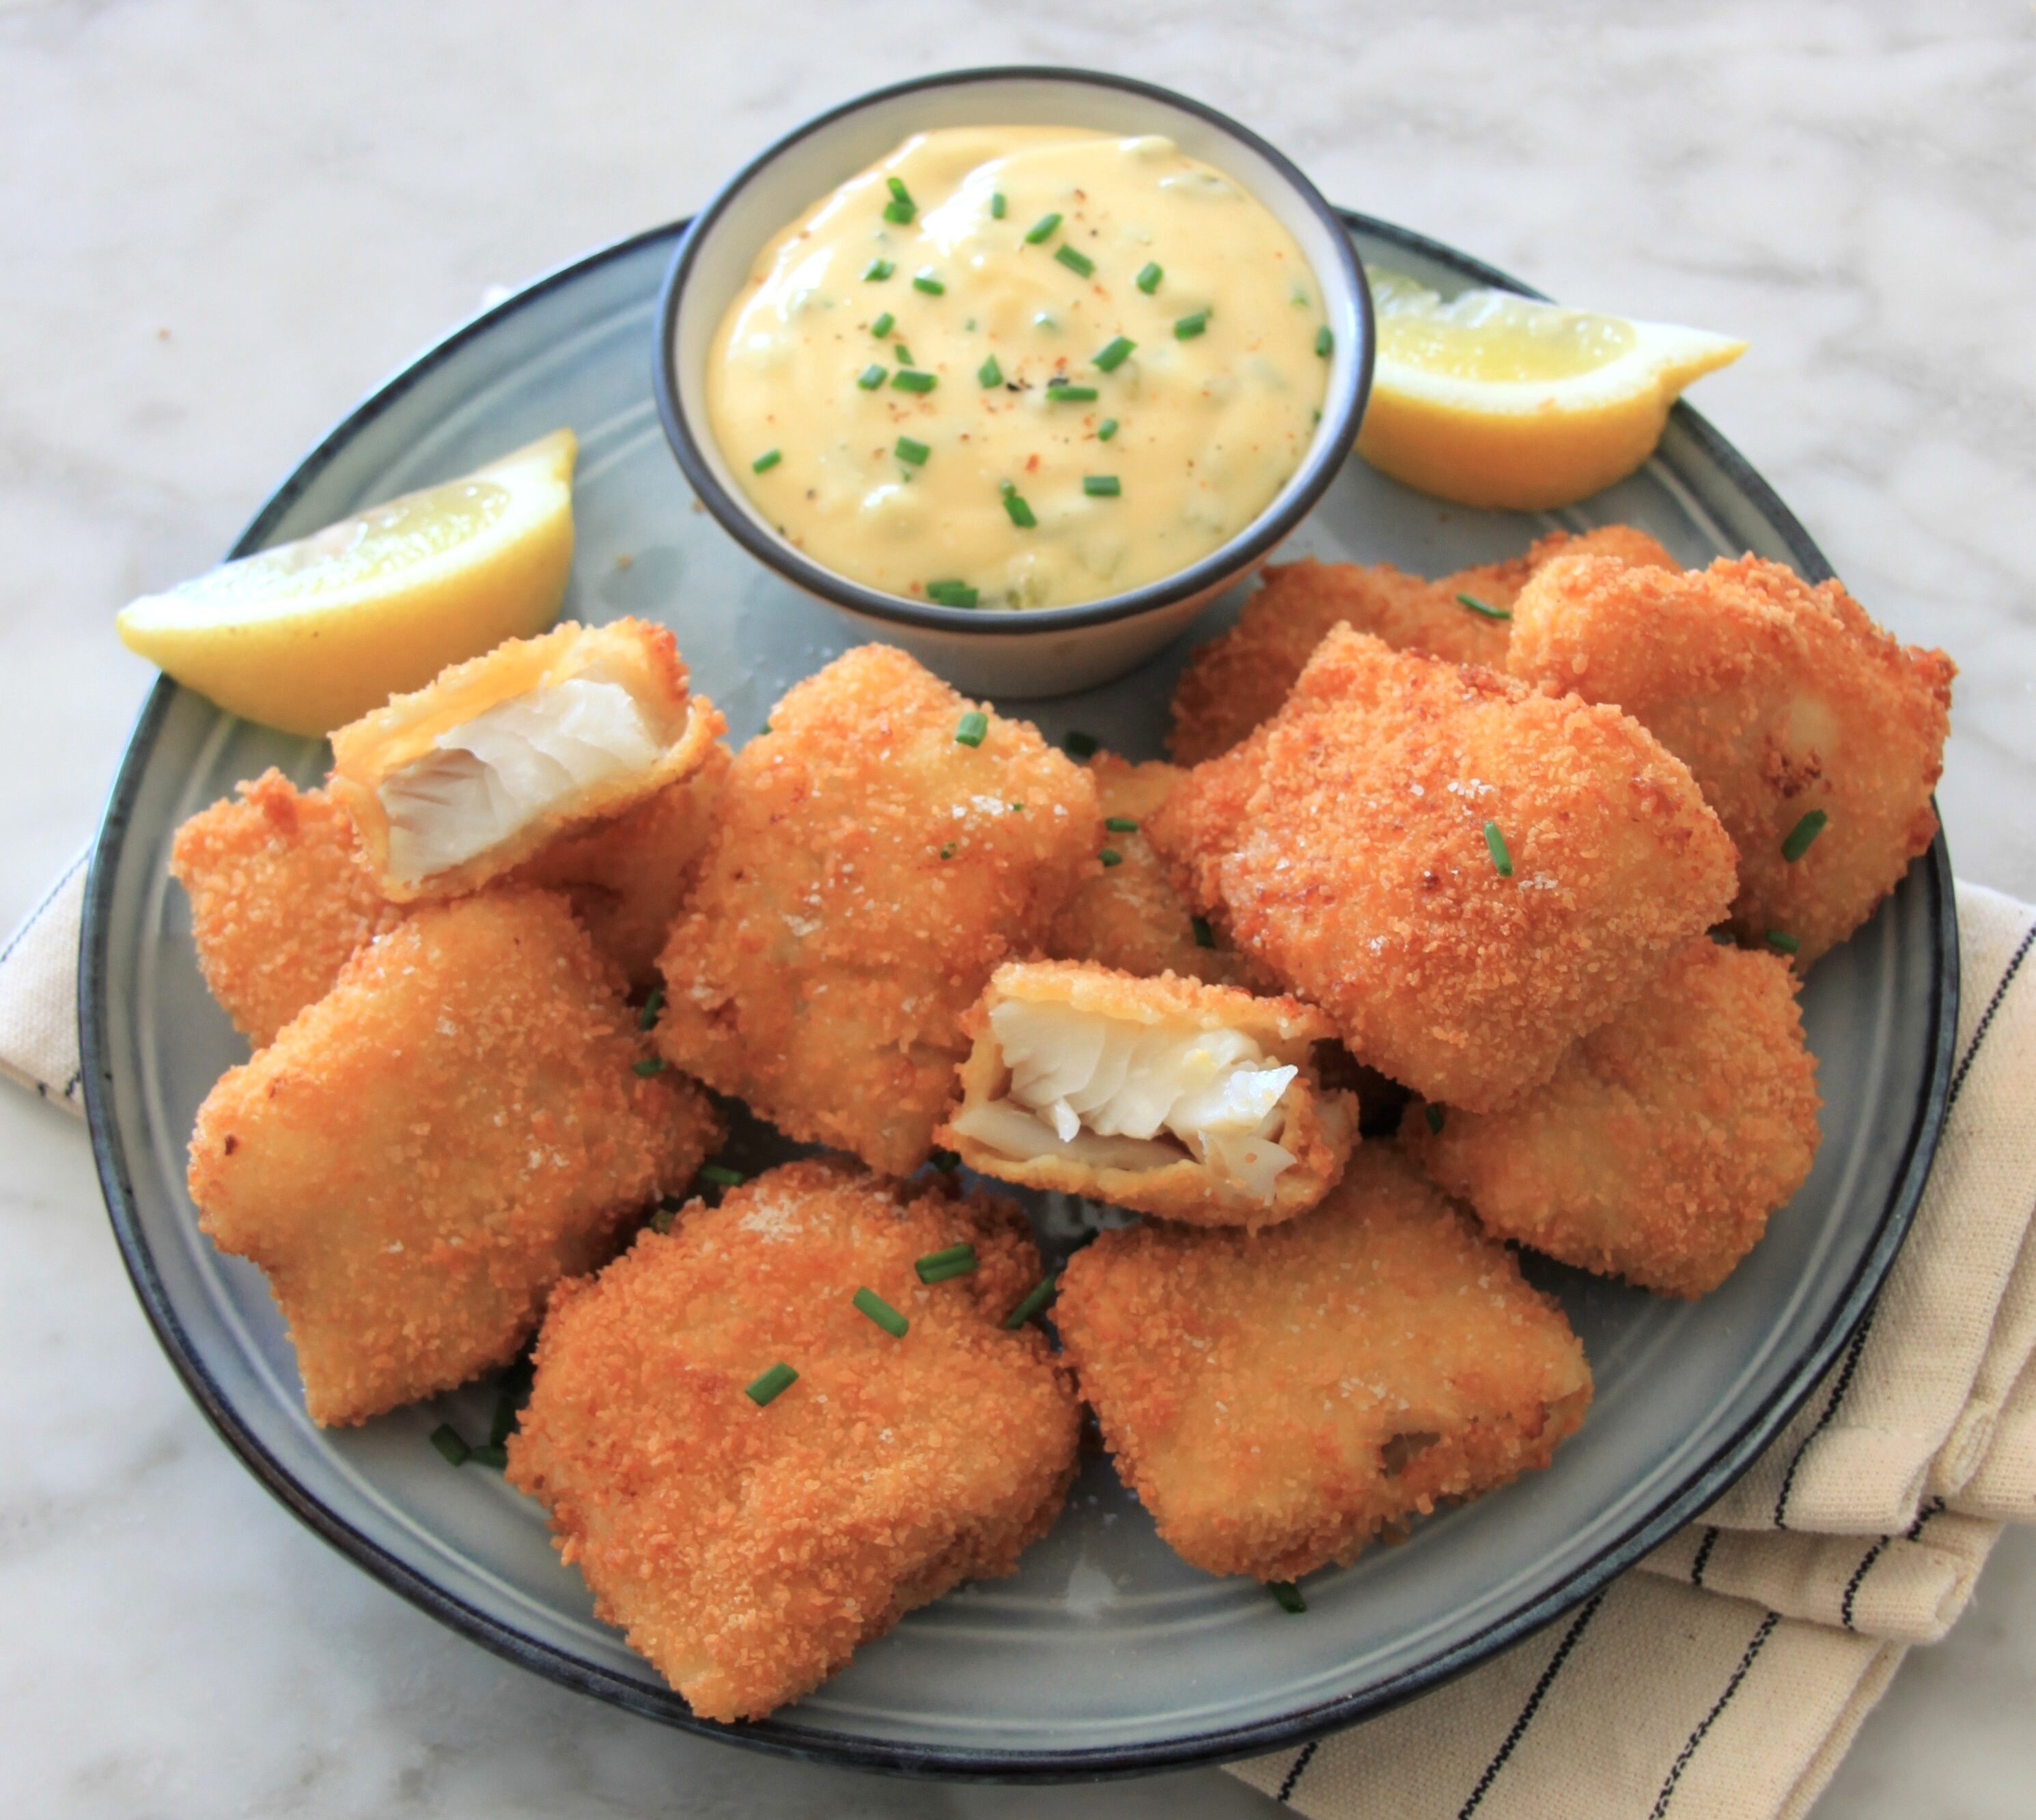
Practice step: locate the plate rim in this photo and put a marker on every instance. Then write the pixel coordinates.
(1699, 1488)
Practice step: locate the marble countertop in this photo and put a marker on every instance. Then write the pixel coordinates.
(223, 222)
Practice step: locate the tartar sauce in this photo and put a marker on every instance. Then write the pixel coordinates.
(1021, 367)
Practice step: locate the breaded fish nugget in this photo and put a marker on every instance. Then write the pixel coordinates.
(1466, 875)
(418, 1157)
(279, 900)
(748, 1551)
(1786, 702)
(1126, 915)
(882, 849)
(1237, 681)
(1197, 1102)
(458, 783)
(1665, 1138)
(1276, 1399)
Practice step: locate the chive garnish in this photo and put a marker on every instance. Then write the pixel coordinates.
(1105, 429)
(1120, 824)
(1041, 228)
(996, 205)
(870, 377)
(868, 1302)
(906, 450)
(1286, 1596)
(970, 729)
(1101, 486)
(1802, 834)
(882, 326)
(1781, 940)
(1116, 354)
(1483, 610)
(1205, 936)
(721, 1175)
(904, 353)
(1433, 1114)
(927, 282)
(661, 1221)
(1325, 342)
(1079, 263)
(901, 212)
(449, 1441)
(953, 1260)
(766, 461)
(774, 1382)
(1502, 860)
(1111, 857)
(1081, 745)
(899, 192)
(1188, 327)
(947, 850)
(877, 270)
(650, 1064)
(905, 379)
(955, 593)
(1148, 278)
(652, 1005)
(497, 1457)
(1036, 1298)
(947, 1161)
(1059, 393)
(1015, 509)
(990, 374)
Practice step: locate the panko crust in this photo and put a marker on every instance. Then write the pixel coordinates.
(1128, 916)
(279, 900)
(1781, 699)
(369, 751)
(418, 1157)
(1664, 1139)
(1277, 1399)
(749, 1552)
(1320, 1125)
(1343, 844)
(870, 873)
(1237, 681)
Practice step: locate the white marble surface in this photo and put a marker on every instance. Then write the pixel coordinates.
(222, 222)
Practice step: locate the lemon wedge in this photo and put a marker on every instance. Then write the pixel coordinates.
(311, 634)
(1491, 399)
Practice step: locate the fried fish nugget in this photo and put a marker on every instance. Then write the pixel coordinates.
(459, 782)
(1276, 1399)
(1126, 915)
(279, 900)
(1237, 681)
(1664, 1139)
(882, 849)
(1466, 875)
(1786, 702)
(1197, 1102)
(418, 1157)
(748, 1551)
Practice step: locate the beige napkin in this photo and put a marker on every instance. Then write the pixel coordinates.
(1728, 1674)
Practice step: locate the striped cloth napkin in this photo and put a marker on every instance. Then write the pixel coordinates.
(1727, 1673)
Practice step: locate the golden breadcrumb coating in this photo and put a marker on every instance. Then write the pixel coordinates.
(1317, 1126)
(1128, 915)
(1782, 699)
(748, 1551)
(871, 871)
(628, 878)
(1276, 1399)
(1237, 681)
(1345, 841)
(418, 1157)
(279, 900)
(1664, 1139)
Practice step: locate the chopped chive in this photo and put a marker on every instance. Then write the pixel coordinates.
(721, 1175)
(953, 1260)
(1483, 610)
(901, 212)
(1802, 834)
(1105, 429)
(766, 461)
(1115, 353)
(899, 192)
(947, 1161)
(876, 271)
(1101, 486)
(952, 593)
(1081, 745)
(1015, 509)
(661, 1221)
(449, 1441)
(774, 1382)
(652, 1005)
(990, 374)
(1036, 1298)
(650, 1064)
(1205, 936)
(1433, 1114)
(1502, 860)
(1188, 327)
(497, 1457)
(1120, 824)
(870, 377)
(500, 1430)
(969, 731)
(1058, 392)
(766, 726)
(882, 326)
(1111, 857)
(996, 205)
(905, 379)
(1782, 941)
(927, 282)
(1325, 342)
(868, 1302)
(1148, 277)
(1041, 228)
(904, 353)
(1286, 1596)
(1080, 264)
(906, 450)
(948, 850)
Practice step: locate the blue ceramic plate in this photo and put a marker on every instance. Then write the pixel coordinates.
(1105, 1653)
